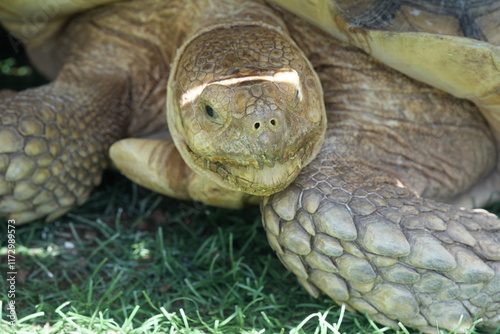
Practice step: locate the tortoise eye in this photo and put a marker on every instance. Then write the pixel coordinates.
(210, 111)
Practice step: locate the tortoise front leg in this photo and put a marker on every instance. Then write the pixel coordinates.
(374, 245)
(54, 141)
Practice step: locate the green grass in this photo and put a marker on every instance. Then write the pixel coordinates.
(132, 261)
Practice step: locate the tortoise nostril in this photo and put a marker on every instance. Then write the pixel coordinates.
(259, 123)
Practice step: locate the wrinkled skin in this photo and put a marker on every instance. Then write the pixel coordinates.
(361, 223)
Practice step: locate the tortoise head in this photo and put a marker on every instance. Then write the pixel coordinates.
(245, 108)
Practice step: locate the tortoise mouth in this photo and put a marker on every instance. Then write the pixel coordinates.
(253, 176)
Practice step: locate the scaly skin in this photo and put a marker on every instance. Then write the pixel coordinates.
(54, 150)
(382, 250)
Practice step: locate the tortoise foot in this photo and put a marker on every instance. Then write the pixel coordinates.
(49, 159)
(382, 250)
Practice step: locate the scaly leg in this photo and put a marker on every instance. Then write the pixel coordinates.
(54, 141)
(365, 241)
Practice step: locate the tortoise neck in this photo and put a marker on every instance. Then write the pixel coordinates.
(204, 14)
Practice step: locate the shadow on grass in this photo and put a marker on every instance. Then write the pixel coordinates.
(129, 247)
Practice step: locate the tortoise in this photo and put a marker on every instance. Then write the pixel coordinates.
(362, 128)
